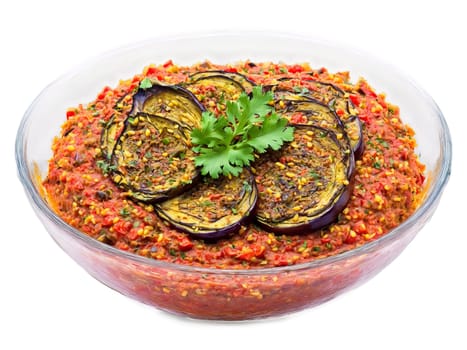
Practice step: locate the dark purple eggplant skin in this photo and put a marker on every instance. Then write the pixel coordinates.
(214, 235)
(208, 228)
(320, 218)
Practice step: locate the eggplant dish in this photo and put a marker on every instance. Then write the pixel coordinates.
(126, 168)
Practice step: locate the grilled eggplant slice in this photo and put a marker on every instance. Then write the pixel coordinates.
(242, 80)
(305, 185)
(114, 126)
(110, 135)
(213, 208)
(334, 98)
(312, 112)
(153, 159)
(171, 101)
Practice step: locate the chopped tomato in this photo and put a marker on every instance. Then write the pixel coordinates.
(70, 113)
(185, 244)
(355, 100)
(168, 64)
(296, 68)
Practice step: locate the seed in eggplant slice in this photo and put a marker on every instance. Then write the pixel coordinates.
(171, 101)
(153, 159)
(213, 208)
(242, 80)
(306, 184)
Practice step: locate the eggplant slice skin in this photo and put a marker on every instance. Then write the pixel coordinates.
(152, 159)
(213, 208)
(306, 184)
(171, 101)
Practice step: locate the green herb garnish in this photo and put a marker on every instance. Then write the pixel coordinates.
(227, 143)
(105, 167)
(124, 212)
(382, 142)
(146, 83)
(302, 91)
(247, 187)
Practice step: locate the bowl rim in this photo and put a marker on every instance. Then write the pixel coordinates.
(430, 201)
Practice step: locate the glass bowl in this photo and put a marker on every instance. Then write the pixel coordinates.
(230, 294)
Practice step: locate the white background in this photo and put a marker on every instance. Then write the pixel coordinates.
(48, 302)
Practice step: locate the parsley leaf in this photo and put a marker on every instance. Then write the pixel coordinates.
(272, 133)
(227, 143)
(105, 167)
(146, 83)
(210, 133)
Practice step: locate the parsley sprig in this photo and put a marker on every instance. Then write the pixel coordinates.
(227, 143)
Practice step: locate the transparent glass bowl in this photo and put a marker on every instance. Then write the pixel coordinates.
(229, 294)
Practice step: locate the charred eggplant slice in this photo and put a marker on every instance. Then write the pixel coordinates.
(152, 158)
(331, 96)
(315, 89)
(305, 185)
(312, 112)
(242, 80)
(287, 95)
(213, 208)
(114, 126)
(171, 101)
(110, 134)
